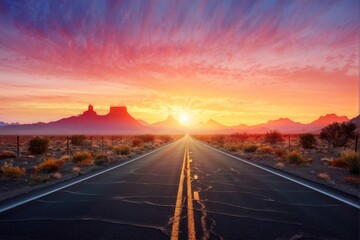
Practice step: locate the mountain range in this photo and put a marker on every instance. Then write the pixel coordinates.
(119, 121)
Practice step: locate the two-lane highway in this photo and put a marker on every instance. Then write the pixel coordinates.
(135, 201)
(184, 191)
(240, 201)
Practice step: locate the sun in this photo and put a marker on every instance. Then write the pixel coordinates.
(184, 118)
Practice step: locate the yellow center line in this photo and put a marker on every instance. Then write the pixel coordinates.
(178, 206)
(196, 196)
(190, 208)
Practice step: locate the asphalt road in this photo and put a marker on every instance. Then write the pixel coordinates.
(223, 199)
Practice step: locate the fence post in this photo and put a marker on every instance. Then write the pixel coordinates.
(67, 145)
(356, 142)
(18, 146)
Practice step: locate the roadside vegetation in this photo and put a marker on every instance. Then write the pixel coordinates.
(44, 159)
(328, 157)
(78, 140)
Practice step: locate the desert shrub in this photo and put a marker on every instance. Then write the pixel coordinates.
(352, 159)
(101, 159)
(265, 149)
(339, 162)
(77, 140)
(136, 142)
(338, 135)
(122, 149)
(148, 146)
(239, 137)
(49, 165)
(295, 157)
(232, 147)
(165, 138)
(279, 152)
(250, 148)
(307, 140)
(147, 138)
(38, 145)
(273, 137)
(218, 138)
(80, 157)
(10, 171)
(7, 154)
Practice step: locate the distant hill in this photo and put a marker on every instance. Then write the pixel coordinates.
(119, 121)
(328, 119)
(170, 125)
(281, 124)
(284, 125)
(3, 124)
(211, 126)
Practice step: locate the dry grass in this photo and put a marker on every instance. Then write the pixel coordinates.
(232, 147)
(101, 159)
(7, 154)
(39, 178)
(352, 180)
(279, 165)
(295, 157)
(86, 163)
(76, 170)
(265, 149)
(326, 160)
(148, 146)
(339, 162)
(323, 176)
(250, 148)
(10, 171)
(122, 149)
(82, 158)
(352, 159)
(56, 175)
(77, 140)
(279, 152)
(136, 142)
(48, 166)
(64, 158)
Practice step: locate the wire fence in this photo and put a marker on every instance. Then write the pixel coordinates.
(60, 145)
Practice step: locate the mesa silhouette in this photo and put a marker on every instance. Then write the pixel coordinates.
(119, 121)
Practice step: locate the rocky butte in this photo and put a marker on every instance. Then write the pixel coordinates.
(117, 121)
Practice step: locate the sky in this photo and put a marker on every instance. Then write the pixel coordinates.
(231, 61)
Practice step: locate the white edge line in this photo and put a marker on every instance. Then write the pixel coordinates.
(288, 178)
(10, 206)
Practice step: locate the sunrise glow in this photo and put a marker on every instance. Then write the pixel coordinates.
(232, 61)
